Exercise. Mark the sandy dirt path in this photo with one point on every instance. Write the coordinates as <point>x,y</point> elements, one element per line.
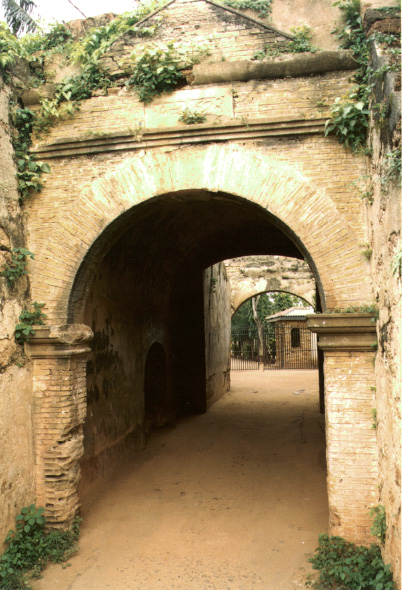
<point>229,500</point>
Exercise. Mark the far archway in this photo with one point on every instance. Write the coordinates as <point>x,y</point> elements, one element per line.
<point>269,332</point>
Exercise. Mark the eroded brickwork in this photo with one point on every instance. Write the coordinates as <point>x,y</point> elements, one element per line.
<point>59,410</point>
<point>352,459</point>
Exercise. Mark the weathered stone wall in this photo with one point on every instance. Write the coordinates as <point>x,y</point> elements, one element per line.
<point>16,439</point>
<point>383,210</point>
<point>217,331</point>
<point>252,275</point>
<point>115,369</point>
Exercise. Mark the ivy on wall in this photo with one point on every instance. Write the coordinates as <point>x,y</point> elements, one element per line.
<point>350,114</point>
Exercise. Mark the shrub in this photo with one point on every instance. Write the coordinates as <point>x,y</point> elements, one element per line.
<point>30,548</point>
<point>346,566</point>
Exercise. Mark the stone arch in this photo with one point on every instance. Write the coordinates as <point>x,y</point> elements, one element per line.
<point>312,219</point>
<point>72,237</point>
<point>257,292</point>
<point>253,275</point>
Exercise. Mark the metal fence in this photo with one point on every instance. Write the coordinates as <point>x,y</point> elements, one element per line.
<point>282,347</point>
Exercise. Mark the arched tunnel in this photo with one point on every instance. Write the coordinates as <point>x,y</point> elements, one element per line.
<point>141,290</point>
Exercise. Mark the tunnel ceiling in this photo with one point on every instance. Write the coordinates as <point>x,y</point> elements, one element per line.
<point>173,236</point>
<point>200,229</point>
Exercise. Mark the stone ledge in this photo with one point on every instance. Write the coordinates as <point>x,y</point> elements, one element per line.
<point>59,341</point>
<point>345,331</point>
<point>179,135</point>
<point>304,64</point>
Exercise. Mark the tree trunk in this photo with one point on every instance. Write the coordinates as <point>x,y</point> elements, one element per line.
<point>260,328</point>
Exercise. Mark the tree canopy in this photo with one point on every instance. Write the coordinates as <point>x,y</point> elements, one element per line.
<point>18,15</point>
<point>267,304</point>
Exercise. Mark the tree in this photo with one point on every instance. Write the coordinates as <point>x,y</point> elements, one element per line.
<point>18,15</point>
<point>250,317</point>
<point>262,306</point>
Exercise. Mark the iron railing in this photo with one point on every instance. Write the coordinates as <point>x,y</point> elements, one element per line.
<point>282,347</point>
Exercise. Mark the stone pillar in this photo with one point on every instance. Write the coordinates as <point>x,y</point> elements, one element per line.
<point>349,343</point>
<point>58,356</point>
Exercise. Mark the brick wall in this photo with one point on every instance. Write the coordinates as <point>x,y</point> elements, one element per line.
<point>195,24</point>
<point>351,442</point>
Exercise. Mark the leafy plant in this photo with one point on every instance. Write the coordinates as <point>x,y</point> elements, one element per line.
<point>53,41</point>
<point>27,319</point>
<point>29,171</point>
<point>192,117</point>
<point>159,68</point>
<point>349,121</point>
<point>262,7</point>
<point>346,566</point>
<point>30,548</point>
<point>379,526</point>
<point>367,252</point>
<point>29,175</point>
<point>16,267</point>
<point>9,48</point>
<point>301,43</point>
<point>349,115</point>
<point>18,15</point>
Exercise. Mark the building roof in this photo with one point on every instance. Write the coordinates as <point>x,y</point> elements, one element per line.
<point>293,313</point>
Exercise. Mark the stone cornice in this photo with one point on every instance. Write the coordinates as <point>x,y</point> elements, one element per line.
<point>345,331</point>
<point>303,64</point>
<point>59,341</point>
<point>202,133</point>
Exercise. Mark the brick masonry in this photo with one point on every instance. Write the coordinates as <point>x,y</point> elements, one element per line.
<point>301,178</point>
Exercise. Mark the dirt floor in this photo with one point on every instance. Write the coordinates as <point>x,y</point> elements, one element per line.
<point>233,499</point>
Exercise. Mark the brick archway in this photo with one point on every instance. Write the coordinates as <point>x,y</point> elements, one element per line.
<point>307,211</point>
<point>71,236</point>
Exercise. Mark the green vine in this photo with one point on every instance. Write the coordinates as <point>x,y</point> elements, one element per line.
<point>301,43</point>
<point>29,170</point>
<point>262,7</point>
<point>16,267</point>
<point>349,114</point>
<point>27,319</point>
